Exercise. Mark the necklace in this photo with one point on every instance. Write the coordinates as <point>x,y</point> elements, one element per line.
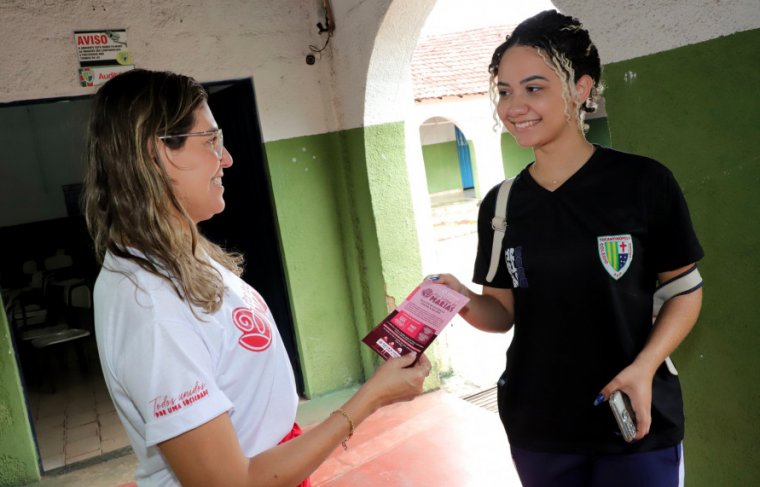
<point>567,169</point>
<point>539,179</point>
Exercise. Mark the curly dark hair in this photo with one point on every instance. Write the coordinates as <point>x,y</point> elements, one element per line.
<point>565,46</point>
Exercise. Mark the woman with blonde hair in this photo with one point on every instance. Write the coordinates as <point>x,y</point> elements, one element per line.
<point>191,355</point>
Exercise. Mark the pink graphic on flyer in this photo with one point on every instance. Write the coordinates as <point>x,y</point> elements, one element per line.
<point>416,322</point>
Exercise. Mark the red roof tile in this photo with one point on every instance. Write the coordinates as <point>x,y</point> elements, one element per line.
<point>455,64</point>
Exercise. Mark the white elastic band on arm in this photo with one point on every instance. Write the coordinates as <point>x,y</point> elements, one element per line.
<point>686,283</point>
<point>499,226</point>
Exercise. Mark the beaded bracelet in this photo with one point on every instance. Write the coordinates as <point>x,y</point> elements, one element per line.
<point>350,426</point>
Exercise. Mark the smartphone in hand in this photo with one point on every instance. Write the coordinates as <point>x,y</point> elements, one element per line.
<point>623,412</point>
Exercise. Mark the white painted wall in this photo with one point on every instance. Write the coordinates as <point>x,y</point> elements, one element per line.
<point>437,131</point>
<point>359,80</point>
<point>388,85</point>
<point>209,40</point>
<point>629,29</point>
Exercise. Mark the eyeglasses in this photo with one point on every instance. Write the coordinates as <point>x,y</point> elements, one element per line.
<point>217,143</point>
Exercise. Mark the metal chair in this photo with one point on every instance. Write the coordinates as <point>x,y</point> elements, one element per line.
<point>71,331</point>
<point>61,275</point>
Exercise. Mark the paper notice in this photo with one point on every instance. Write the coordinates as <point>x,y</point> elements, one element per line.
<point>416,322</point>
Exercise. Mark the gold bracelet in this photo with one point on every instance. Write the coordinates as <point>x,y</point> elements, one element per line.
<point>350,426</point>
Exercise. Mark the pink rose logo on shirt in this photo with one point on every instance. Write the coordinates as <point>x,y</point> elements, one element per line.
<point>257,334</point>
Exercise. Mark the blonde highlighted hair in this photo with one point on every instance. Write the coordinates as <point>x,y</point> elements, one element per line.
<point>128,197</point>
<point>566,47</point>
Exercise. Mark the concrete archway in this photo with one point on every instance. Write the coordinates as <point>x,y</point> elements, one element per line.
<point>396,178</point>
<point>395,167</point>
<point>448,159</point>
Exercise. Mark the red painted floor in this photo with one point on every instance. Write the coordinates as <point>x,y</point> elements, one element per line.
<point>435,440</point>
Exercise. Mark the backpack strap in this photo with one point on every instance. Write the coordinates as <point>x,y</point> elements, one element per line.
<point>499,225</point>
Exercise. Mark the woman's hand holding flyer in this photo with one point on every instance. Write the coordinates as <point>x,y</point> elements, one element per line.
<point>416,322</point>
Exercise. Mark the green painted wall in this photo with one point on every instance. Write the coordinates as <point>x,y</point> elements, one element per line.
<point>442,167</point>
<point>697,110</point>
<point>514,157</point>
<point>598,131</point>
<point>306,177</point>
<point>349,242</point>
<point>18,455</point>
<point>392,210</point>
<point>359,234</point>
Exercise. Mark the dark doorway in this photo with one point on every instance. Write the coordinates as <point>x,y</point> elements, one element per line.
<point>247,224</point>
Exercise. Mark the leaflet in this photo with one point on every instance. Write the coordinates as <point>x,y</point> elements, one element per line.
<point>416,322</point>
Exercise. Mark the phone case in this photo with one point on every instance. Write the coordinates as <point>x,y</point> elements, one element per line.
<point>623,412</point>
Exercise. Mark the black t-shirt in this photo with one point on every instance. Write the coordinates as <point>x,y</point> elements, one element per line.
<point>582,262</point>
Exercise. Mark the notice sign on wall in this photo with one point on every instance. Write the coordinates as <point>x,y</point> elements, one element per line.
<point>102,55</point>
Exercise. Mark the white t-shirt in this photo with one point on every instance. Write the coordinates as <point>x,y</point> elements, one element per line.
<point>169,372</point>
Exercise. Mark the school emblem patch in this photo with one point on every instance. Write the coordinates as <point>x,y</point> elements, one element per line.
<point>616,253</point>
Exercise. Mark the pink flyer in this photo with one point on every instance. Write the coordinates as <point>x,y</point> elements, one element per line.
<point>416,322</point>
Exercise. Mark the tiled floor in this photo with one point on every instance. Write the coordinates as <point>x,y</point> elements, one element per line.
<point>76,421</point>
<point>477,358</point>
<point>437,439</point>
<point>454,214</point>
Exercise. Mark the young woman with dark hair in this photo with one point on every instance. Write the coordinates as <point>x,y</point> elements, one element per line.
<point>590,233</point>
